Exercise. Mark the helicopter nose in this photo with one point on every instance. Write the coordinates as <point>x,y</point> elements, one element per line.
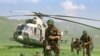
<point>20,37</point>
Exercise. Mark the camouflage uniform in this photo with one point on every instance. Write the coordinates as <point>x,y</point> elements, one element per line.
<point>75,45</point>
<point>51,44</point>
<point>86,39</point>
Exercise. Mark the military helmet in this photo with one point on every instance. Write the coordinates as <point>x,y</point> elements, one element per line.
<point>84,32</point>
<point>50,21</point>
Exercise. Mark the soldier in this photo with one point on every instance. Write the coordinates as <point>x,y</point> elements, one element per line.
<point>75,44</point>
<point>86,40</point>
<point>52,37</point>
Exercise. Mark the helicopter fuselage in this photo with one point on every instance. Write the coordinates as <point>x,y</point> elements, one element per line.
<point>25,34</point>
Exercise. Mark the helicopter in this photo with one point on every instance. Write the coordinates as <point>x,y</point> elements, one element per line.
<point>31,32</point>
<point>26,33</point>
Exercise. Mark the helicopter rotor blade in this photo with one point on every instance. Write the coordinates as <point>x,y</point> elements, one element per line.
<point>71,17</point>
<point>56,17</point>
<point>75,22</point>
<point>18,15</point>
<point>45,15</point>
<point>21,11</point>
<point>35,14</point>
<point>79,18</point>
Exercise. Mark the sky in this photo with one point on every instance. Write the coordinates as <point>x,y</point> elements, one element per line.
<point>80,8</point>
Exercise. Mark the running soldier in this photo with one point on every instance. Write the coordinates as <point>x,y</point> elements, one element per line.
<point>75,45</point>
<point>86,40</point>
<point>52,37</point>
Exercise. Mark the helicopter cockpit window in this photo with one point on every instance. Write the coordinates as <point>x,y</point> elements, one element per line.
<point>20,27</point>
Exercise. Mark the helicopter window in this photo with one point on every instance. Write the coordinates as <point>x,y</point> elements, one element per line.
<point>32,29</point>
<point>19,32</point>
<point>26,27</point>
<point>29,29</point>
<point>21,27</point>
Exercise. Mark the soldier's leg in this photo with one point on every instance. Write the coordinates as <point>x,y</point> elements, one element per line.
<point>88,51</point>
<point>72,48</point>
<point>47,51</point>
<point>84,51</point>
<point>44,48</point>
<point>77,51</point>
<point>56,50</point>
<point>44,51</point>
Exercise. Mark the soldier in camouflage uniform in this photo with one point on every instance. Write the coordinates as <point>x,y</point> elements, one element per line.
<point>86,40</point>
<point>75,45</point>
<point>52,37</point>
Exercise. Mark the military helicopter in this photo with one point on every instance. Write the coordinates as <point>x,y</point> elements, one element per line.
<point>31,32</point>
<point>26,33</point>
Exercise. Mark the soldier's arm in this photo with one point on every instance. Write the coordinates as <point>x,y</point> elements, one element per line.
<point>58,36</point>
<point>55,37</point>
<point>89,40</point>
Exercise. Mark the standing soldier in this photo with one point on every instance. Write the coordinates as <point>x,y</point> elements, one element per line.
<point>52,37</point>
<point>86,40</point>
